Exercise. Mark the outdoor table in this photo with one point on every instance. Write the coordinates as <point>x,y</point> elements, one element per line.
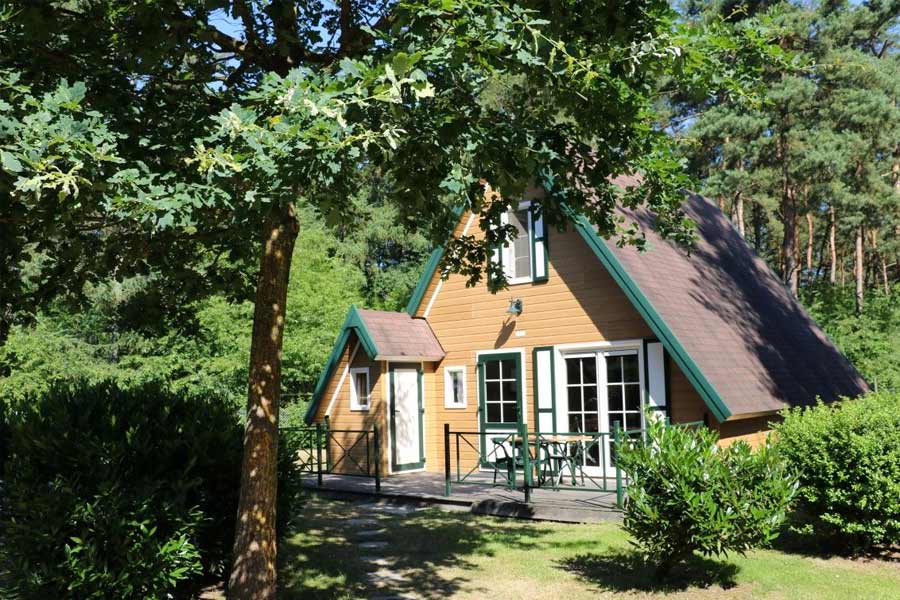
<point>563,442</point>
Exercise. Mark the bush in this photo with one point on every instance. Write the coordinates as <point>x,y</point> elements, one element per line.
<point>847,458</point>
<point>688,495</point>
<point>112,493</point>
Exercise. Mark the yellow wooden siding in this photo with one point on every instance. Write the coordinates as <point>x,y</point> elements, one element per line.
<point>754,431</point>
<point>580,302</point>
<point>343,418</point>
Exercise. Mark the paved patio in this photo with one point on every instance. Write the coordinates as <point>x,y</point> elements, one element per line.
<point>570,506</point>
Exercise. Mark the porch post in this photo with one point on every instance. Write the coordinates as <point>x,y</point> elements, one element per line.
<point>526,460</point>
<point>446,459</point>
<point>319,454</point>
<point>327,444</point>
<point>620,493</point>
<point>377,439</point>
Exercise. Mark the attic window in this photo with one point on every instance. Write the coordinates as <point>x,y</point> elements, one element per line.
<point>524,257</point>
<point>518,251</point>
<point>360,393</point>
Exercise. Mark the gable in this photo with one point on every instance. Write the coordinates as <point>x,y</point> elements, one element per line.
<point>764,354</point>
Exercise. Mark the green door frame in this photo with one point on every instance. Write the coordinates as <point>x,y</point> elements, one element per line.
<point>482,397</point>
<point>395,467</point>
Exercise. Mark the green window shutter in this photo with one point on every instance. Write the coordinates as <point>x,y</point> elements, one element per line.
<point>539,254</point>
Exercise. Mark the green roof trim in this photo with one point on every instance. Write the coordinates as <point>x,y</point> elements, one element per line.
<point>646,309</point>
<point>352,324</point>
<point>430,269</point>
<point>419,292</point>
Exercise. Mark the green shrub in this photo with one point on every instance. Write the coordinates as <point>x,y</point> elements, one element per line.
<point>847,458</point>
<point>686,494</point>
<point>112,493</point>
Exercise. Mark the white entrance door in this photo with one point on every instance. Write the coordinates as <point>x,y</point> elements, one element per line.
<point>407,439</point>
<point>602,389</point>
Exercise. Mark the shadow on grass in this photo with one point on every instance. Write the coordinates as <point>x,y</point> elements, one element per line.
<point>324,559</point>
<point>812,545</point>
<point>625,570</point>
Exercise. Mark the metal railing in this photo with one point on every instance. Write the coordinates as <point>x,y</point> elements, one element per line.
<point>520,459</point>
<point>322,450</point>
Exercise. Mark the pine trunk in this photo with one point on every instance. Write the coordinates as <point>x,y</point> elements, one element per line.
<point>860,269</point>
<point>789,243</point>
<point>253,571</point>
<point>739,213</point>
<point>832,245</point>
<point>810,237</point>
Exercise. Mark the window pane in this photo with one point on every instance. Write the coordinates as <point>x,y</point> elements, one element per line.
<point>633,396</point>
<point>615,396</point>
<point>509,369</point>
<point>632,373</point>
<point>613,368</point>
<point>633,420</point>
<point>457,382</point>
<point>510,391</point>
<point>589,369</point>
<point>492,369</point>
<point>573,371</point>
<point>575,399</point>
<point>519,220</point>
<point>591,422</point>
<point>520,249</point>
<point>361,391</point>
<point>523,259</point>
<point>493,412</point>
<point>614,418</point>
<point>575,423</point>
<point>510,412</point>
<point>492,391</point>
<point>590,399</point>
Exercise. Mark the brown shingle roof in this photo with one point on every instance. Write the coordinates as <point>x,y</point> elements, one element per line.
<point>396,335</point>
<point>752,340</point>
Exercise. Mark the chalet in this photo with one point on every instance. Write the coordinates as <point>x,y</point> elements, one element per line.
<point>587,336</point>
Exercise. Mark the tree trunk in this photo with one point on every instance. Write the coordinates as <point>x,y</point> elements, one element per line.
<point>860,269</point>
<point>757,227</point>
<point>739,213</point>
<point>789,243</point>
<point>253,570</point>
<point>832,245</point>
<point>809,241</point>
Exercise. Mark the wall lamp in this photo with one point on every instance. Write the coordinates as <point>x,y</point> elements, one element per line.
<point>515,307</point>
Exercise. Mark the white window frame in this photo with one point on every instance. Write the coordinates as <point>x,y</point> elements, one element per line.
<point>448,387</point>
<point>508,258</point>
<point>355,403</point>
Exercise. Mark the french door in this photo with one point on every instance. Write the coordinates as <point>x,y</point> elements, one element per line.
<point>602,389</point>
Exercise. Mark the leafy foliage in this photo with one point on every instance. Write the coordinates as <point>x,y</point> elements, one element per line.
<point>114,492</point>
<point>847,458</point>
<point>123,332</point>
<point>686,494</point>
<point>870,339</point>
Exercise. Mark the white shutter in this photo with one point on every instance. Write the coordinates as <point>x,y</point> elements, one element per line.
<point>544,396</point>
<point>656,377</point>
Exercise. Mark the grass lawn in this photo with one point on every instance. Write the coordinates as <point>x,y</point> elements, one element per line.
<point>459,555</point>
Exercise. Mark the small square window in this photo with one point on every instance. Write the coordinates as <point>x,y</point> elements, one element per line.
<point>360,392</point>
<point>455,387</point>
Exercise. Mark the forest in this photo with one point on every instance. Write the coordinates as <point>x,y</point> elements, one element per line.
<point>809,173</point>
<point>143,151</point>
